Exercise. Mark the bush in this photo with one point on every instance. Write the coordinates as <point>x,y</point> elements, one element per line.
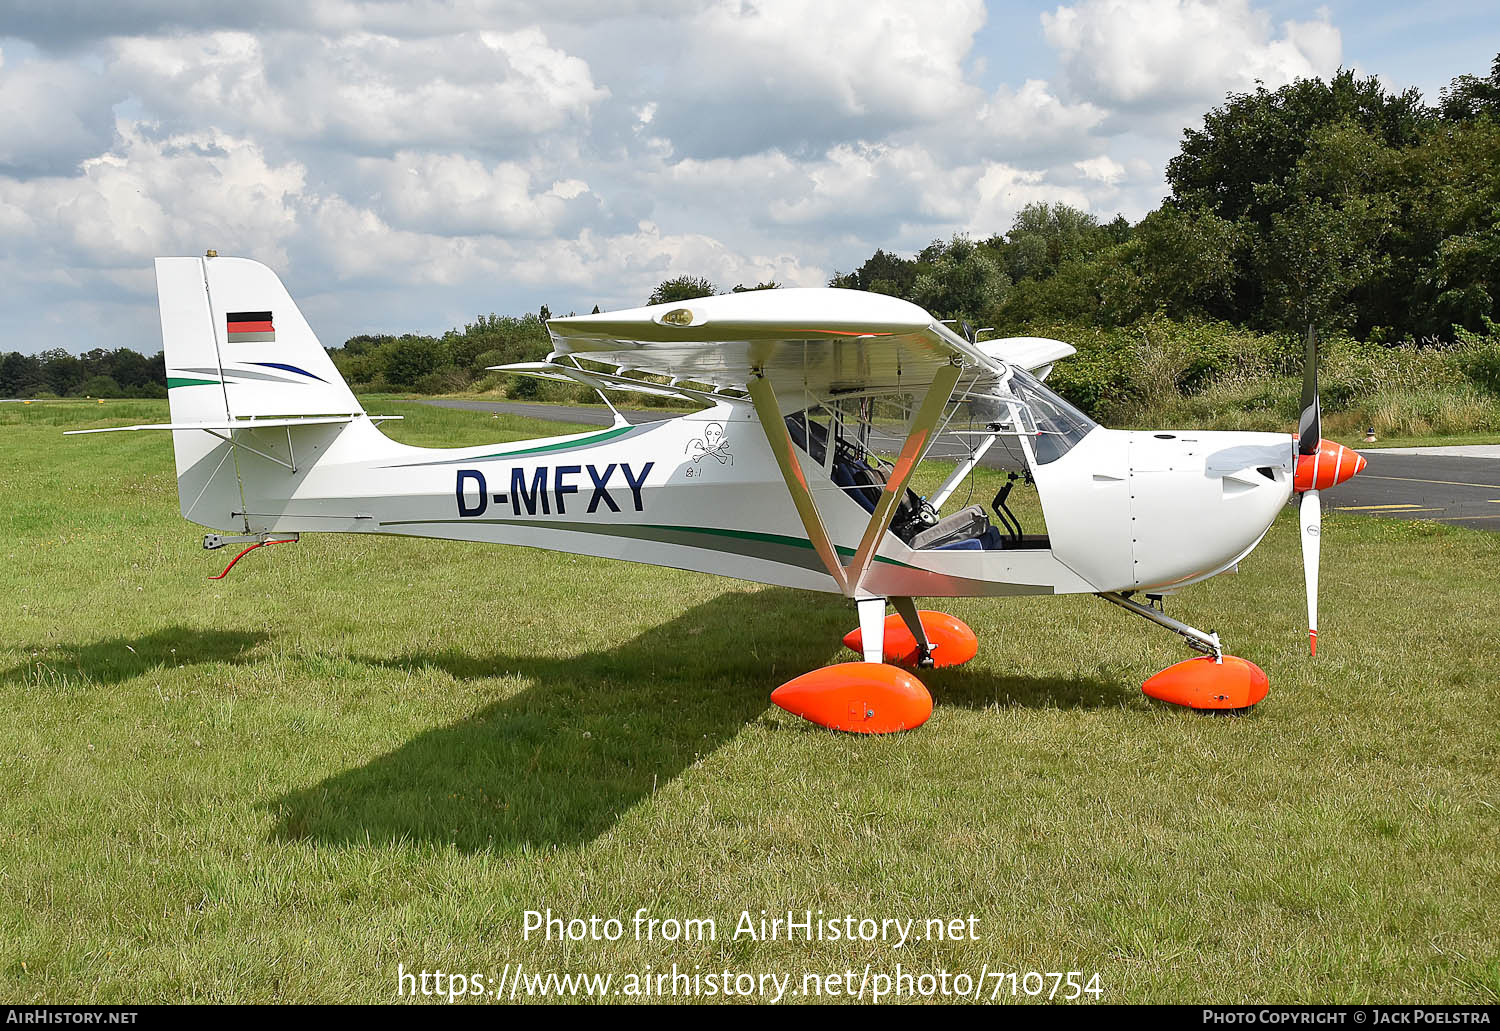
<point>100,386</point>
<point>409,358</point>
<point>448,380</point>
<point>1478,356</point>
<point>523,388</point>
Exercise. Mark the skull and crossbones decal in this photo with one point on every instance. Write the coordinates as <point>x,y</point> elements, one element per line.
<point>713,444</point>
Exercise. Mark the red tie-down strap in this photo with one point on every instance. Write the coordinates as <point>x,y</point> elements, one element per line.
<point>242,554</point>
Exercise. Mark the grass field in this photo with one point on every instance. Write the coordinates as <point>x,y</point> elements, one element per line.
<point>364,751</point>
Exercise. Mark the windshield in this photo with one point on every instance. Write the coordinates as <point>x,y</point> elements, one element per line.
<point>1059,425</point>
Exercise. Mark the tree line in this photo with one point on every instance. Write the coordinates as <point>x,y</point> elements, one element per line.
<point>98,373</point>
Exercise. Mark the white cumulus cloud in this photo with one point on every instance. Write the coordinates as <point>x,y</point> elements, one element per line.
<point>457,195</point>
<point>782,73</point>
<point>1170,53</point>
<point>365,91</point>
<point>178,194</point>
<point>53,115</point>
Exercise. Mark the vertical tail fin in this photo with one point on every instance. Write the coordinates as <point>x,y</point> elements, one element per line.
<point>237,349</point>
<point>229,323</point>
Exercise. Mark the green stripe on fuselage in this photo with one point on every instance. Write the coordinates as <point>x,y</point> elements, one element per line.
<point>176,382</point>
<point>772,547</point>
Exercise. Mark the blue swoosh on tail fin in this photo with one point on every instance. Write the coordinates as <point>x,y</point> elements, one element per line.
<point>289,368</point>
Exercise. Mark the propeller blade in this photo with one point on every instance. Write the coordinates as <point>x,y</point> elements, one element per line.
<point>1310,424</point>
<point>1312,530</point>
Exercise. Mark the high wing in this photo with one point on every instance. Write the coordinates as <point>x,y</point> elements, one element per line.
<point>815,341</point>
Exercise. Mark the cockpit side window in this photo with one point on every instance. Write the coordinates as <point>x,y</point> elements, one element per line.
<point>810,434</point>
<point>1059,425</point>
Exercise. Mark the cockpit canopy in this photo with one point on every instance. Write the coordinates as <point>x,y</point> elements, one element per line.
<point>1059,426</point>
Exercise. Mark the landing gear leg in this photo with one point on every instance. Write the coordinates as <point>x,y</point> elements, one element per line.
<point>1196,639</point>
<point>912,637</point>
<point>872,628</point>
<point>907,609</point>
<point>866,697</point>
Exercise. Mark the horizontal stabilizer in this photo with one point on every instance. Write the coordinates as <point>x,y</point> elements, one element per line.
<point>239,424</point>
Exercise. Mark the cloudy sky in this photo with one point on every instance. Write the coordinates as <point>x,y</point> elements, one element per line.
<point>408,165</point>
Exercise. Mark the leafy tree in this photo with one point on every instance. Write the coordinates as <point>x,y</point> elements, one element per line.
<point>1076,292</point>
<point>1469,97</point>
<point>1256,139</point>
<point>20,375</point>
<point>742,289</point>
<point>882,273</point>
<point>100,386</point>
<point>64,373</point>
<point>959,279</point>
<point>410,357</point>
<point>1117,230</point>
<point>1314,257</point>
<point>681,288</point>
<point>1173,263</point>
<point>1044,236</point>
<point>1446,266</point>
<point>1331,218</point>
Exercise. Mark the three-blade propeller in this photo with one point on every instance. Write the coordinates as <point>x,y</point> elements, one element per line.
<point>1320,464</point>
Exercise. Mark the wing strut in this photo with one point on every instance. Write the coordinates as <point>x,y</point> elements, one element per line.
<point>918,438</point>
<point>774,425</point>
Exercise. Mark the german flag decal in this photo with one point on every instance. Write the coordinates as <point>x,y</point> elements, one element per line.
<point>250,327</point>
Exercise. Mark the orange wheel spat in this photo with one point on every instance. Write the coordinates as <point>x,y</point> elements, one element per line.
<point>1202,683</point>
<point>858,697</point>
<point>953,642</point>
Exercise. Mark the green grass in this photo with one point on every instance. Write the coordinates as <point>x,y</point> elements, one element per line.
<point>360,751</point>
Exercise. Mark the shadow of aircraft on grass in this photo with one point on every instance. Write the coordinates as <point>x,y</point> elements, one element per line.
<point>117,659</point>
<point>593,734</point>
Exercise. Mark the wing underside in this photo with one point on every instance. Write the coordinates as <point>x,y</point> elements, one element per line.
<point>805,342</point>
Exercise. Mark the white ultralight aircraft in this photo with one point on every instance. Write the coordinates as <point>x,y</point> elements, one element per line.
<point>776,480</point>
